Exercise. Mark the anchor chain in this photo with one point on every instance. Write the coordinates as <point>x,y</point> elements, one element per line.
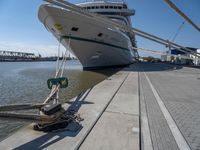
<point>62,123</point>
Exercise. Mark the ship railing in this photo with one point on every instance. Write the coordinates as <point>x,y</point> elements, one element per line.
<point>107,1</point>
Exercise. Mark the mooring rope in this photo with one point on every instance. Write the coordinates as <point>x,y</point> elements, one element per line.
<point>65,60</point>
<point>59,70</point>
<point>58,58</point>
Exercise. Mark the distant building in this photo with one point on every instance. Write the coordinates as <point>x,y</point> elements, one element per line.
<point>196,59</point>
<point>166,58</point>
<point>178,52</point>
<point>185,58</point>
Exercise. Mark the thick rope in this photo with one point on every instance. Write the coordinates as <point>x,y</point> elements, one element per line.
<point>58,57</point>
<point>59,70</point>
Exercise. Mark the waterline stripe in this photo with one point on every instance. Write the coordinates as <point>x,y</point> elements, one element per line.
<point>180,140</point>
<point>93,41</point>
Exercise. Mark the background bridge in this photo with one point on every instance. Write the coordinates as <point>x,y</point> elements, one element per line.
<point>12,55</point>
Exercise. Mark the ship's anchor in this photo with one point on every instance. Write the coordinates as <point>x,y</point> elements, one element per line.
<point>52,115</point>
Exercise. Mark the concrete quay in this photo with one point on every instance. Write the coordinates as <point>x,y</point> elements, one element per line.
<point>144,106</point>
<point>170,100</point>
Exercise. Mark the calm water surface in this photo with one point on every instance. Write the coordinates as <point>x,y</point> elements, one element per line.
<point>25,82</point>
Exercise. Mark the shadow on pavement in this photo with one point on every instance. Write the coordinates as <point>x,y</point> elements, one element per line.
<point>50,138</point>
<point>152,67</point>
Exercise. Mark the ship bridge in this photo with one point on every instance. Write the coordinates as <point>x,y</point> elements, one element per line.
<point>108,7</point>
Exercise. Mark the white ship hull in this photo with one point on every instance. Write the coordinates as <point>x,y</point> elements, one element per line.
<point>94,44</point>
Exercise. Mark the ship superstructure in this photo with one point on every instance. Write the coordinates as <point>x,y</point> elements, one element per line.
<point>94,44</point>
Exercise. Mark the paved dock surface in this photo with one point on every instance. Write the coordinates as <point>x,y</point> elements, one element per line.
<point>179,89</point>
<point>106,118</point>
<point>144,106</point>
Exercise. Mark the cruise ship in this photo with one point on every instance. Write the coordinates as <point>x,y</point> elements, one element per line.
<point>94,43</point>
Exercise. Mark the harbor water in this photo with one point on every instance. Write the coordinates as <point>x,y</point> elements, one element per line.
<point>25,82</point>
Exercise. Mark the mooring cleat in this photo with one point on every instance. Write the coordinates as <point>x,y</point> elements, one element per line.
<point>51,109</point>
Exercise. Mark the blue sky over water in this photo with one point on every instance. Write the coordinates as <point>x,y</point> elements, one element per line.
<point>21,30</point>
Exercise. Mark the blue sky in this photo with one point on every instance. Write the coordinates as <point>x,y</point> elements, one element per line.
<point>21,30</point>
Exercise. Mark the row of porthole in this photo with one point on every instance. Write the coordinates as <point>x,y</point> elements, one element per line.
<point>76,29</point>
<point>105,7</point>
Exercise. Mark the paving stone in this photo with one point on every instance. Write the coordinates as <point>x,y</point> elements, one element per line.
<point>179,90</point>
<point>161,135</point>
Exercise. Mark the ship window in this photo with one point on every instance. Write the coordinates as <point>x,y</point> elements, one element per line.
<point>88,7</point>
<point>100,34</point>
<point>119,21</point>
<point>74,29</point>
<point>92,7</point>
<point>102,7</point>
<point>111,7</point>
<point>97,7</point>
<point>106,7</point>
<point>124,6</point>
<point>115,7</point>
<point>119,7</point>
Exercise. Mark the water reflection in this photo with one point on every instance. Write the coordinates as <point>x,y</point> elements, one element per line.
<point>25,82</point>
